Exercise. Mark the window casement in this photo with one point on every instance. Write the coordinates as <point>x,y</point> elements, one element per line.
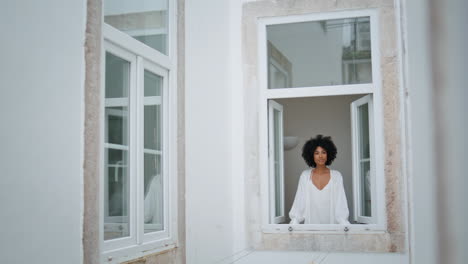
<point>275,152</point>
<point>365,209</point>
<point>139,165</point>
<point>325,57</point>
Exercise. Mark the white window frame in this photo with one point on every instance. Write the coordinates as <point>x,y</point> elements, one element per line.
<point>266,94</point>
<point>356,160</point>
<point>153,68</point>
<point>142,58</point>
<point>272,106</point>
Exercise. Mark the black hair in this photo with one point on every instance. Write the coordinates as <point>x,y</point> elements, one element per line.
<point>319,141</point>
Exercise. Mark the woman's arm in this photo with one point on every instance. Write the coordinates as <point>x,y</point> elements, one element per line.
<point>297,210</point>
<point>341,207</point>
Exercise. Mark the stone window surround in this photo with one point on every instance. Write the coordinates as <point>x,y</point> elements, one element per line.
<point>391,240</point>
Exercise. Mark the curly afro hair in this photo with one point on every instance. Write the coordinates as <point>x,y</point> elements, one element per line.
<point>319,141</point>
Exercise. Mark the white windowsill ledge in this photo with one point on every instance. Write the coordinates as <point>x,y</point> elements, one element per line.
<point>324,229</point>
<point>137,251</point>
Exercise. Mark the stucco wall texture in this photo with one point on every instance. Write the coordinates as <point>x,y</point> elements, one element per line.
<point>92,136</point>
<point>391,240</point>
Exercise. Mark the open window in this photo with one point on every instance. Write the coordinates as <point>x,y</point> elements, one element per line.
<point>276,154</point>
<point>363,160</point>
<point>317,66</point>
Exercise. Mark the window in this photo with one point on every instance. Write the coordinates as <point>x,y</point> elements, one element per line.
<point>363,160</point>
<point>321,76</point>
<point>146,21</point>
<point>275,115</point>
<point>139,162</point>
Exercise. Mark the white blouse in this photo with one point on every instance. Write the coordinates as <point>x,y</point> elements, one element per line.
<point>314,206</point>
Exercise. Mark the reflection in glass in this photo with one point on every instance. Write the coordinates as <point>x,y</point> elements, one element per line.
<point>363,112</point>
<point>153,84</point>
<point>320,53</point>
<point>117,76</point>
<point>277,146</point>
<point>278,78</point>
<point>144,20</point>
<point>116,202</point>
<point>153,180</point>
<point>365,189</point>
<point>116,125</point>
<point>365,161</point>
<point>152,131</point>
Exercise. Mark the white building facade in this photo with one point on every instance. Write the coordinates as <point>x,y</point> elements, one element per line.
<point>145,131</point>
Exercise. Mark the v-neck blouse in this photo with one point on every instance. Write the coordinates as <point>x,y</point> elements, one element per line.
<point>314,206</point>
<point>320,203</point>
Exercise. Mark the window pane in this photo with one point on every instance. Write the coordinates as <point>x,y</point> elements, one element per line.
<point>363,115</point>
<point>154,199</point>
<point>144,20</point>
<point>278,78</point>
<point>152,127</point>
<point>318,53</point>
<point>117,76</point>
<point>277,123</point>
<point>117,183</point>
<point>366,208</point>
<point>365,161</point>
<point>153,84</point>
<point>116,125</point>
<point>116,220</point>
<point>153,183</point>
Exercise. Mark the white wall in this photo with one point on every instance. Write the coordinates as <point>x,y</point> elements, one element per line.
<point>436,65</point>
<point>308,117</point>
<point>41,109</point>
<point>423,244</point>
<point>212,83</point>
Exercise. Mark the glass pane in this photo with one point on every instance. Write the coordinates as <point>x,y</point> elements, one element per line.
<point>153,84</point>
<point>363,116</point>
<point>117,76</point>
<point>366,203</point>
<point>278,146</point>
<point>318,53</point>
<point>154,194</point>
<point>277,78</point>
<point>358,72</point>
<point>144,20</point>
<point>116,125</point>
<point>152,127</point>
<point>116,199</point>
<point>116,220</point>
<point>153,183</point>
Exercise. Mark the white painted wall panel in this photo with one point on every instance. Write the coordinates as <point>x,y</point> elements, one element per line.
<point>209,195</point>
<point>41,135</point>
<point>422,181</point>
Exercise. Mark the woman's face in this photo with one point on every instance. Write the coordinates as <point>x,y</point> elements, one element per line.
<point>320,156</point>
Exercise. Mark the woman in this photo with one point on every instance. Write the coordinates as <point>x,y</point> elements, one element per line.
<point>320,196</point>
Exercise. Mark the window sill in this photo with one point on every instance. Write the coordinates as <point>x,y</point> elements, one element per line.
<point>137,251</point>
<point>324,229</point>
